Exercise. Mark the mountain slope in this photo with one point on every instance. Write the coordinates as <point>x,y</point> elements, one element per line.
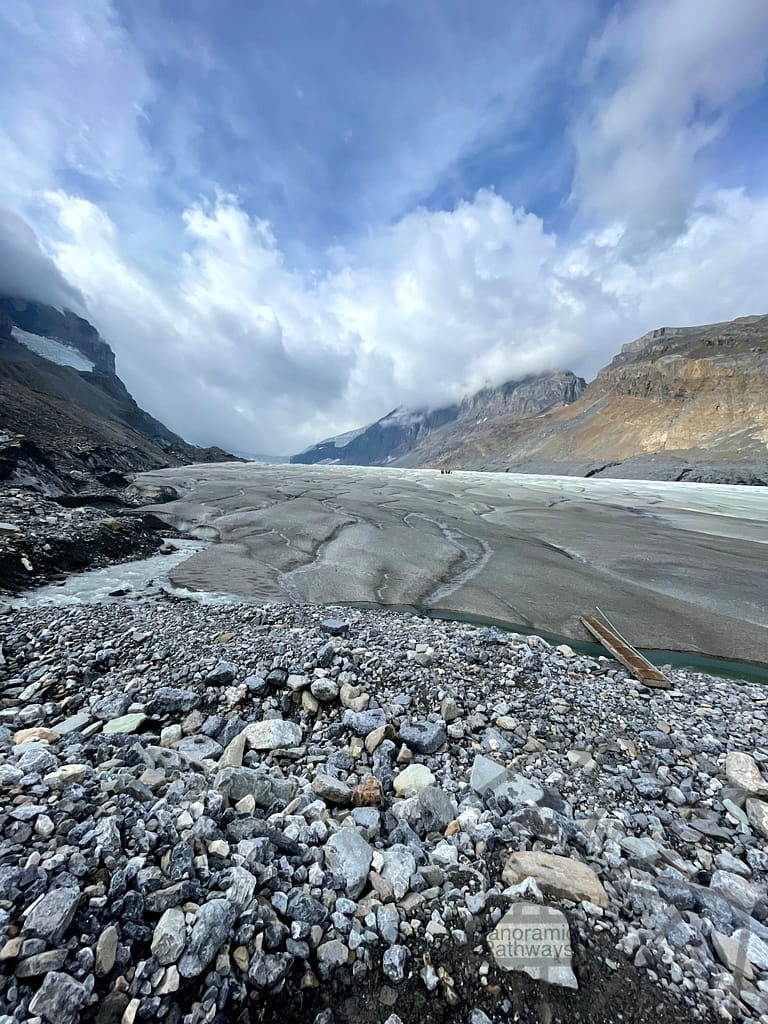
<point>677,403</point>
<point>412,436</point>
<point>66,419</point>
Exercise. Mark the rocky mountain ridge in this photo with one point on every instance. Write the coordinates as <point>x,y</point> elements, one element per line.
<point>678,403</point>
<point>67,422</point>
<point>397,435</point>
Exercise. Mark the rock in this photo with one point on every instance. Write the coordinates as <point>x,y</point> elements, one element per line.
<point>362,723</point>
<point>41,963</point>
<point>450,710</point>
<point>641,850</point>
<point>303,907</point>
<point>59,998</point>
<point>75,723</point>
<point>649,786</point>
<point>388,923</point>
<point>393,963</point>
<point>536,940</point>
<point>199,748</point>
<point>734,889</point>
<point>332,790</point>
<point>271,734</point>
<point>223,674</point>
<point>235,784</point>
<point>106,952</point>
<point>51,915</point>
<point>423,737</point>
<point>369,793</point>
<point>562,877</point>
<point>211,928</point>
<point>126,724</point>
<point>242,886</point>
<point>436,808</point>
<point>38,760</point>
<point>334,627</point>
<point>35,734</point>
<point>398,867</point>
<point>325,690</point>
<point>415,776</point>
<point>488,776</point>
<point>332,954</point>
<point>732,954</point>
<point>741,771</point>
<point>169,937</point>
<point>755,947</point>
<point>757,812</point>
<point>267,970</point>
<point>347,854</point>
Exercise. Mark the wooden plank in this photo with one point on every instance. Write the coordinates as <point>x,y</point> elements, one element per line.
<point>625,653</point>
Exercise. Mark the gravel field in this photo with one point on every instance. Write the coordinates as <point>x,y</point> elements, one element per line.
<point>260,813</point>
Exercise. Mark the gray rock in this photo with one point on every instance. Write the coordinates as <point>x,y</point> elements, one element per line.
<point>536,940</point>
<point>757,812</point>
<point>242,886</point>
<point>236,783</point>
<point>271,734</point>
<point>126,724</point>
<point>347,854</point>
<point>106,952</point>
<point>267,970</point>
<point>334,627</point>
<point>488,776</point>
<point>393,963</point>
<point>224,673</point>
<point>332,954</point>
<point>436,808</point>
<point>213,923</point>
<point>388,923</point>
<point>75,723</point>
<point>755,947</point>
<point>169,700</point>
<point>199,748</point>
<point>50,917</point>
<point>114,705</point>
<point>169,937</point>
<point>59,998</point>
<point>732,954</point>
<point>399,865</point>
<point>423,737</point>
<point>41,963</point>
<point>303,907</point>
<point>649,786</point>
<point>332,790</point>
<point>326,690</point>
<point>364,722</point>
<point>734,889</point>
<point>37,760</point>
<point>641,850</point>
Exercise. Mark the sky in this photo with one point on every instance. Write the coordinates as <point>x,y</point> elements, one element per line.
<point>289,219</point>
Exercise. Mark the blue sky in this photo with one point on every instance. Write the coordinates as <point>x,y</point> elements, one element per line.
<point>289,218</point>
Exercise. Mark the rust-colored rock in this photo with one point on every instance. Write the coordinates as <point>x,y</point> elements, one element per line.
<point>369,793</point>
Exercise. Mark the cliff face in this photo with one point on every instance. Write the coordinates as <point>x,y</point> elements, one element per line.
<point>416,437</point>
<point>677,403</point>
<point>67,422</point>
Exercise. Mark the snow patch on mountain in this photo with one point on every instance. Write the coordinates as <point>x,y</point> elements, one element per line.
<point>53,350</point>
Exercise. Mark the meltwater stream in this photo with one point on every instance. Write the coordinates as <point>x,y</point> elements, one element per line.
<point>146,576</point>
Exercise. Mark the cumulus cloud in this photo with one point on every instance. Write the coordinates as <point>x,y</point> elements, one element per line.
<point>234,347</point>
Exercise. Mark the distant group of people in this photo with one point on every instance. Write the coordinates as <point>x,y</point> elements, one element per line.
<point>444,472</point>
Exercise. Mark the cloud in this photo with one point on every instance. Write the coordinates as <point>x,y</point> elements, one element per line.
<point>25,270</point>
<point>662,80</point>
<point>232,346</point>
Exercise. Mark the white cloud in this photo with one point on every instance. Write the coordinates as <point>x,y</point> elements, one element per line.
<point>233,347</point>
<point>663,78</point>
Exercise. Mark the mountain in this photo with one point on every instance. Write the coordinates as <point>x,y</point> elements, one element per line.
<point>67,421</point>
<point>409,436</point>
<point>679,403</point>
